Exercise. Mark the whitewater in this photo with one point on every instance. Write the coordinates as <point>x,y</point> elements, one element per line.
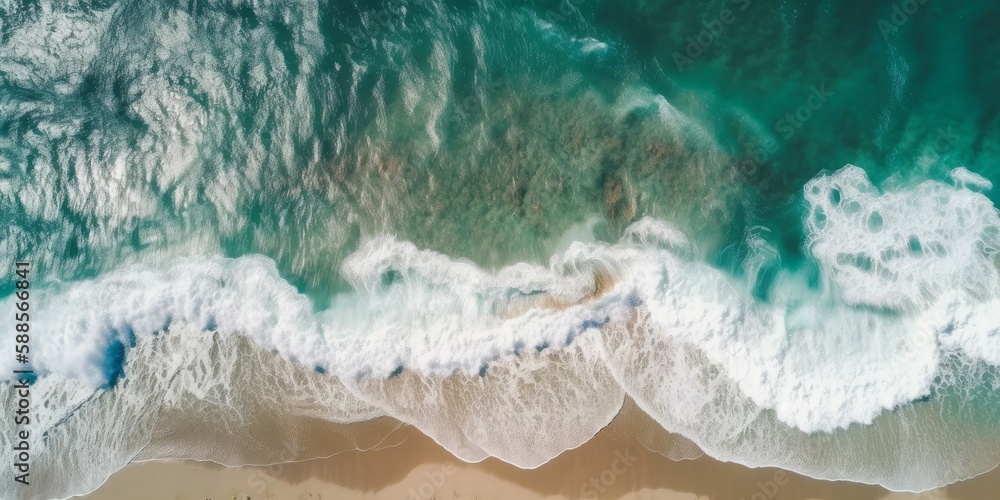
<point>890,345</point>
<point>502,223</point>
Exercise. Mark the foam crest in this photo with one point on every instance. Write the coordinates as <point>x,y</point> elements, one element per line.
<point>970,325</point>
<point>903,248</point>
<point>444,316</point>
<point>85,322</point>
<point>963,178</point>
<point>414,308</point>
<point>526,361</point>
<point>651,232</point>
<point>912,448</point>
<point>818,365</point>
<point>784,382</point>
<point>509,411</point>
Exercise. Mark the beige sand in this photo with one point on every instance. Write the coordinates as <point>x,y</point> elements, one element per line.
<point>418,468</point>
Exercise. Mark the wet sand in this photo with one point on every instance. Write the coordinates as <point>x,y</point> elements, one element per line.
<point>414,467</point>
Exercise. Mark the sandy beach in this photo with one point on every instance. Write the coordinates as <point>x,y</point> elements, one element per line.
<point>413,467</point>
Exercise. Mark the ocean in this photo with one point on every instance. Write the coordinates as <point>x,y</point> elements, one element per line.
<point>771,225</point>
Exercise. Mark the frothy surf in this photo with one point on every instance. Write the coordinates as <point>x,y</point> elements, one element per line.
<point>890,344</point>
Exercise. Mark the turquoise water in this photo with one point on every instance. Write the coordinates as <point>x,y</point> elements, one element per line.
<point>327,140</point>
<point>316,174</point>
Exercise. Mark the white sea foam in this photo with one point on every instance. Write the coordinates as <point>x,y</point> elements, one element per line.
<point>902,249</point>
<point>482,360</point>
<point>221,386</point>
<point>966,179</point>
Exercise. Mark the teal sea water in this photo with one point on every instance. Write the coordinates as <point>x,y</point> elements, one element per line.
<point>773,225</point>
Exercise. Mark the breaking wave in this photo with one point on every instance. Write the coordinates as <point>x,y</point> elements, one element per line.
<point>885,343</point>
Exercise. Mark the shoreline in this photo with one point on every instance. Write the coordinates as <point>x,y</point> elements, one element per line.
<point>414,467</point>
